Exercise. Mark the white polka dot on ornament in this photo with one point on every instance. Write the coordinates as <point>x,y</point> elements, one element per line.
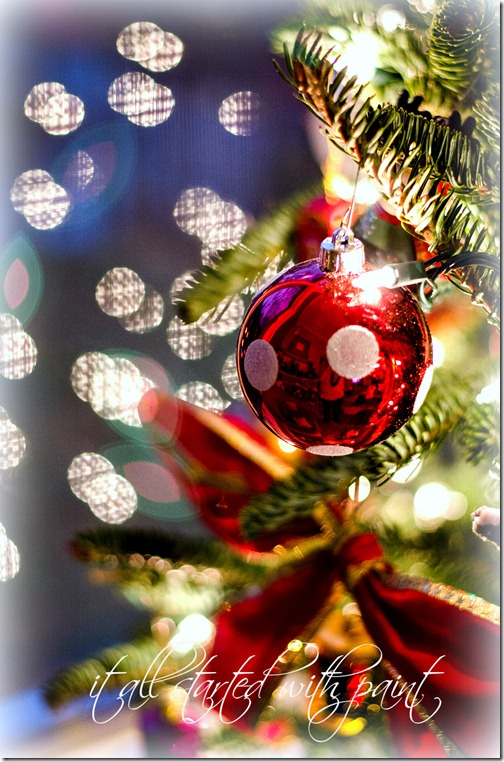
<point>261,365</point>
<point>330,450</point>
<point>353,351</point>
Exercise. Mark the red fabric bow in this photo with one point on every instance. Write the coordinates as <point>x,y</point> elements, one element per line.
<point>227,460</point>
<point>451,653</point>
<point>414,629</point>
<point>252,634</point>
<point>447,657</point>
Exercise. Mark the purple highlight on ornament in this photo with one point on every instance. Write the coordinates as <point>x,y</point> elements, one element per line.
<point>353,351</point>
<point>261,365</point>
<point>330,450</point>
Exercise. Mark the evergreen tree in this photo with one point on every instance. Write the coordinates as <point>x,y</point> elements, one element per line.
<point>424,130</point>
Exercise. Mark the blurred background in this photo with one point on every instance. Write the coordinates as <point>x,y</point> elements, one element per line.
<point>121,182</point>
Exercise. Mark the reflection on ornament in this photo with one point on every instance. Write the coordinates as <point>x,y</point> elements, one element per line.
<point>327,366</point>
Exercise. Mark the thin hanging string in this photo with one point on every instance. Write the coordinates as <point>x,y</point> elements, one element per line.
<point>348,217</point>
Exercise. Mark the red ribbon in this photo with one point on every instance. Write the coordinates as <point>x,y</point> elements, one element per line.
<point>414,629</point>
<point>256,631</point>
<point>203,440</point>
<point>418,634</point>
<point>447,657</point>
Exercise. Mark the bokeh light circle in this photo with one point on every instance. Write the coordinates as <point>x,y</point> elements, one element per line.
<point>203,395</point>
<point>132,93</point>
<point>62,114</point>
<point>226,321</point>
<point>112,498</point>
<point>188,341</point>
<point>239,113</point>
<point>37,98</point>
<point>149,314</point>
<point>83,469</point>
<point>9,557</point>
<point>83,370</point>
<point>168,55</point>
<point>120,292</point>
<point>229,378</point>
<point>140,40</point>
<point>157,111</point>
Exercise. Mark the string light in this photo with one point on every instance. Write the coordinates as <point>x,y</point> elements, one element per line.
<point>194,629</point>
<point>489,393</point>
<point>359,489</point>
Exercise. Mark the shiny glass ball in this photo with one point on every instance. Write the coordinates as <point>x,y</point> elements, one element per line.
<point>331,367</point>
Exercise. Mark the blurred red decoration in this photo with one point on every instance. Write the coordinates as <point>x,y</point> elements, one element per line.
<point>316,220</point>
<point>225,462</point>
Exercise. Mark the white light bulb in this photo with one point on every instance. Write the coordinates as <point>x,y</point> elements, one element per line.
<point>385,277</point>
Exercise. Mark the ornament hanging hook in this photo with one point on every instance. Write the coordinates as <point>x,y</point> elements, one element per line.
<point>341,251</point>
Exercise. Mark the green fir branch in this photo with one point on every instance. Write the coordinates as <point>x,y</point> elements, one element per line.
<point>139,564</point>
<point>441,554</point>
<point>330,478</point>
<point>139,659</point>
<point>478,433</point>
<point>239,268</point>
<point>487,113</point>
<point>460,39</point>
<point>437,178</point>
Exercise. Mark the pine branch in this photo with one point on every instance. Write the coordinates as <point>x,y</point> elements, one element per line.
<point>402,61</point>
<point>436,177</point>
<point>139,563</point>
<point>238,268</point>
<point>403,65</point>
<point>459,40</point>
<point>138,660</point>
<point>488,119</point>
<point>295,497</point>
<point>479,433</point>
<point>442,559</point>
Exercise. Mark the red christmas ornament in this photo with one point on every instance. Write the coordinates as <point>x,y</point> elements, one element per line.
<point>331,366</point>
